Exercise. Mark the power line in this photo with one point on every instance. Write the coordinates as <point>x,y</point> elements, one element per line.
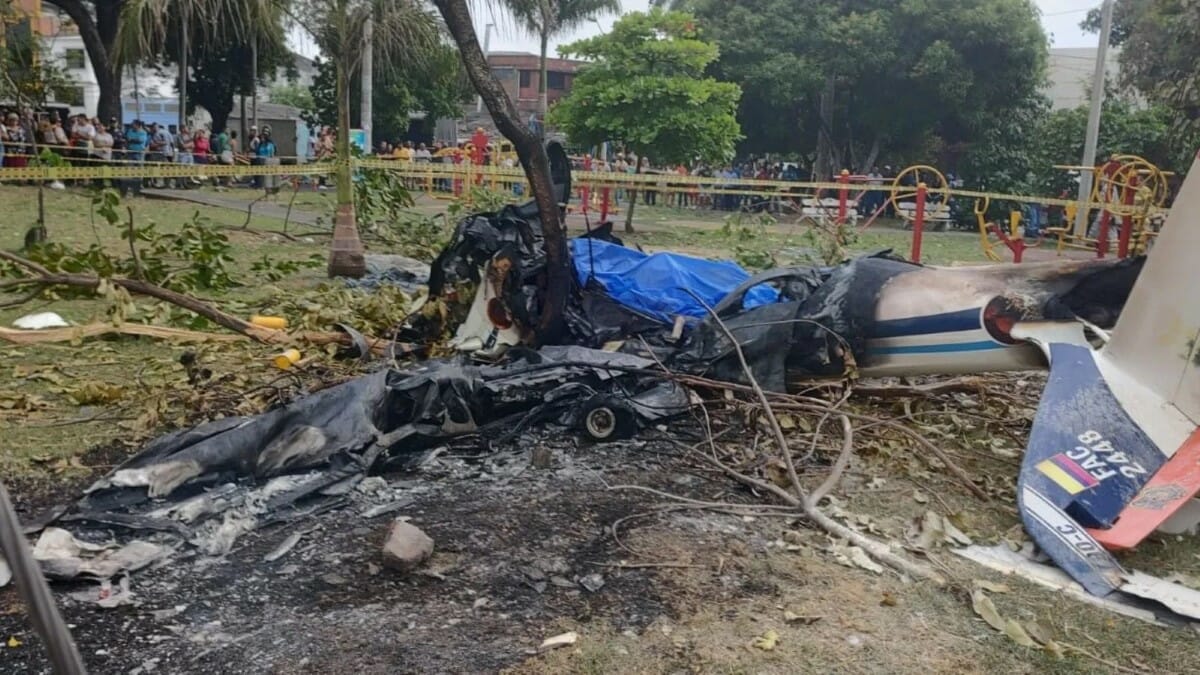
<point>1069,11</point>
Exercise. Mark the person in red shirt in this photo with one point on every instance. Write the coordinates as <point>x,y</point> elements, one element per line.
<point>201,147</point>
<point>479,141</point>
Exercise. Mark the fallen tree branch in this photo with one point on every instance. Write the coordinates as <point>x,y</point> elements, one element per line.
<point>44,278</point>
<point>137,259</point>
<point>925,443</point>
<point>839,467</point>
<point>877,550</point>
<point>377,346</point>
<point>972,385</point>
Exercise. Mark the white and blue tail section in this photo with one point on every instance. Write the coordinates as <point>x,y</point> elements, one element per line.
<point>1114,452</point>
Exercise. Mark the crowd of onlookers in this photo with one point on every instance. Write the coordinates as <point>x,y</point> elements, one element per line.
<point>81,140</point>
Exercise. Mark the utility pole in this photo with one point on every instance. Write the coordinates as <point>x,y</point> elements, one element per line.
<point>487,48</point>
<point>253,86</point>
<point>1093,126</point>
<point>183,67</point>
<point>367,72</point>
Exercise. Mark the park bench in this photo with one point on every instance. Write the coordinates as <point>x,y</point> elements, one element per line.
<point>825,211</point>
<point>937,216</point>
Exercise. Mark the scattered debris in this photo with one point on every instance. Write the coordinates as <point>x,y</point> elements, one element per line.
<point>106,595</point>
<point>592,582</point>
<point>62,556</point>
<point>563,640</point>
<point>283,547</point>
<point>40,321</point>
<point>934,530</point>
<point>853,556</point>
<point>767,641</point>
<point>406,547</point>
<point>806,620</point>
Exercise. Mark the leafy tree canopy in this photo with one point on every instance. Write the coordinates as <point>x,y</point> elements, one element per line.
<point>1160,53</point>
<point>28,76</point>
<point>906,77</point>
<point>646,87</point>
<point>436,85</point>
<point>1124,129</point>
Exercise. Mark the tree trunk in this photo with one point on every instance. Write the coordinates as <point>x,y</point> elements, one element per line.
<point>346,250</point>
<point>533,159</point>
<point>633,195</point>
<point>99,35</point>
<point>543,103</point>
<point>871,156</point>
<point>823,166</point>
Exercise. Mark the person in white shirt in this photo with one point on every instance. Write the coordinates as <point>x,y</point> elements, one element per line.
<point>102,143</point>
<point>82,133</point>
<point>185,145</point>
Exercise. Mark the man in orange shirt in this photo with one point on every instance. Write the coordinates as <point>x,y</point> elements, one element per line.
<point>479,141</point>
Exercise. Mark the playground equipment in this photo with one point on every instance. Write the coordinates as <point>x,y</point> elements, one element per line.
<point>906,189</point>
<point>1012,238</point>
<point>1127,187</point>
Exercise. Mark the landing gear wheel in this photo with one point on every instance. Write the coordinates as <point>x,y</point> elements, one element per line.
<point>607,419</point>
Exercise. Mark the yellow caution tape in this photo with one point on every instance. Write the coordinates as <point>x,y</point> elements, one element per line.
<point>425,174</point>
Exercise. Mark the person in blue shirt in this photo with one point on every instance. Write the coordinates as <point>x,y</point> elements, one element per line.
<point>264,150</point>
<point>135,142</point>
<point>266,146</point>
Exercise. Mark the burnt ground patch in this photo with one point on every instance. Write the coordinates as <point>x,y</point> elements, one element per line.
<point>513,542</point>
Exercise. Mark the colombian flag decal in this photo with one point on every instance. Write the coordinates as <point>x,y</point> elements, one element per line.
<point>1069,475</point>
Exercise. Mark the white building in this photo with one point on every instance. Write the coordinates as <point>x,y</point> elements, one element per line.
<point>64,45</point>
<point>1070,71</point>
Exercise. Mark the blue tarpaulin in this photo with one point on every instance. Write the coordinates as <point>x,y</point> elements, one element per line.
<point>654,284</point>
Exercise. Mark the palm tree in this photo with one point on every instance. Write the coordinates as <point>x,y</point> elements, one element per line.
<point>402,30</point>
<point>549,18</point>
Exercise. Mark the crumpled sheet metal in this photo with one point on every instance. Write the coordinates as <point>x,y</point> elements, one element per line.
<point>62,556</point>
<point>211,484</point>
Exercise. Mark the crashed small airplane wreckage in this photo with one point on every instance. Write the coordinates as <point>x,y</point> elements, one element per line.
<point>1112,455</point>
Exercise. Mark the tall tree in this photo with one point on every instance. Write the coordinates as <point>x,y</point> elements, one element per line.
<point>28,76</point>
<point>217,35</point>
<point>98,22</point>
<point>1160,53</point>
<point>549,18</point>
<point>402,30</point>
<point>842,81</point>
<point>534,160</point>
<point>645,88</point>
<point>436,85</point>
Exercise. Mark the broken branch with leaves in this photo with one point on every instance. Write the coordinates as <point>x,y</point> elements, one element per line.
<point>41,278</point>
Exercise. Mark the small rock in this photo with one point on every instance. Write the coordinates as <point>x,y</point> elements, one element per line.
<point>334,580</point>
<point>372,569</point>
<point>592,582</point>
<point>406,547</point>
<point>562,582</point>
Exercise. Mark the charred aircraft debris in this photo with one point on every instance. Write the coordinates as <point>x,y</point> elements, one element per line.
<point>632,319</point>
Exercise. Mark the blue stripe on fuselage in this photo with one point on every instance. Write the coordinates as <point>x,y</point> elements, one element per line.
<point>936,349</point>
<point>950,322</point>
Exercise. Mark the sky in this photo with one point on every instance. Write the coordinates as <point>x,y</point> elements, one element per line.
<point>1059,17</point>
